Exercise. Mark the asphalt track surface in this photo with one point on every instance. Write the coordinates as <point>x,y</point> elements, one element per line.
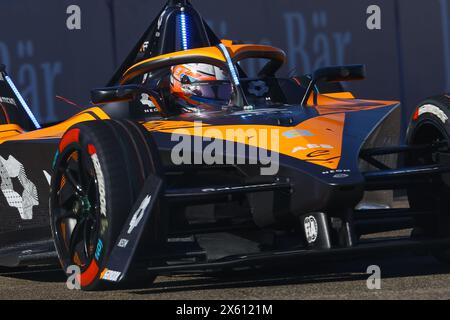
<point>402,278</point>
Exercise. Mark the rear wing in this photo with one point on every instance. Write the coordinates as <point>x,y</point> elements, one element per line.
<point>13,104</point>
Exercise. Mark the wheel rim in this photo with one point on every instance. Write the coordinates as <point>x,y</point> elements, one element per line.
<point>75,208</point>
<point>431,196</point>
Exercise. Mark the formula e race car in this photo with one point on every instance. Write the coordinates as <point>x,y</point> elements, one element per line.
<point>187,161</point>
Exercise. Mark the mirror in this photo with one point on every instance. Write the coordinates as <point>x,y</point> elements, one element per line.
<point>334,74</point>
<point>340,73</point>
<point>115,94</point>
<point>135,101</point>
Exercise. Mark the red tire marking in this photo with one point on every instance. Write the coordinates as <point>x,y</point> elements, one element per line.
<point>416,115</point>
<point>91,149</point>
<point>88,276</point>
<point>70,137</point>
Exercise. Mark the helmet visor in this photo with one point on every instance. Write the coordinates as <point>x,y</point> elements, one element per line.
<point>211,90</point>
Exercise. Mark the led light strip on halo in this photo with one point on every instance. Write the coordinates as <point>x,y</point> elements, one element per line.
<point>22,102</point>
<point>184,30</point>
<point>230,64</point>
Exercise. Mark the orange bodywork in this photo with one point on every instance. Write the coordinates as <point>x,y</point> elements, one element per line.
<point>317,140</point>
<point>11,132</point>
<point>345,102</point>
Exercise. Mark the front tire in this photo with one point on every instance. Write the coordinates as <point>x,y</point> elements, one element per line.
<point>430,124</point>
<point>99,171</point>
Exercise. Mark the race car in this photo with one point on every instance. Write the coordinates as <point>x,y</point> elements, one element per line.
<point>186,161</point>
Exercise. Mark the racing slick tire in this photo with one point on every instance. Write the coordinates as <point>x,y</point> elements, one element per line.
<point>431,124</point>
<point>99,170</point>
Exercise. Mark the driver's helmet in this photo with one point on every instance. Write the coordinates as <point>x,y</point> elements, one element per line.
<point>194,84</point>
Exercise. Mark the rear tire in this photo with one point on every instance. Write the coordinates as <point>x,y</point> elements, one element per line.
<point>430,124</point>
<point>99,171</point>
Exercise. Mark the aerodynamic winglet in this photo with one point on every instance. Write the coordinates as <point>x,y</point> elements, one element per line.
<point>124,251</point>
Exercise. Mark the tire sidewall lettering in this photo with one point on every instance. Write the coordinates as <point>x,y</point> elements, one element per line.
<point>103,228</point>
<point>101,183</point>
<point>429,112</point>
<point>434,110</point>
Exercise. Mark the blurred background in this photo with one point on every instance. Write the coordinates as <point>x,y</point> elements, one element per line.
<point>408,59</point>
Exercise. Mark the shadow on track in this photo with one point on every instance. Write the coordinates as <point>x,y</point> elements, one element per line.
<point>265,277</point>
<point>49,274</point>
<point>301,274</point>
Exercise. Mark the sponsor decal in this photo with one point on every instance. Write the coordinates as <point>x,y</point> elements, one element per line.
<point>311,229</point>
<point>12,169</point>
<point>147,101</point>
<point>101,183</point>
<point>258,88</point>
<point>110,275</point>
<point>318,153</point>
<point>144,47</point>
<point>8,100</point>
<point>139,214</point>
<point>123,243</point>
<point>429,108</point>
<point>340,176</point>
<point>297,133</point>
<point>98,250</point>
<point>312,146</point>
<point>338,171</point>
